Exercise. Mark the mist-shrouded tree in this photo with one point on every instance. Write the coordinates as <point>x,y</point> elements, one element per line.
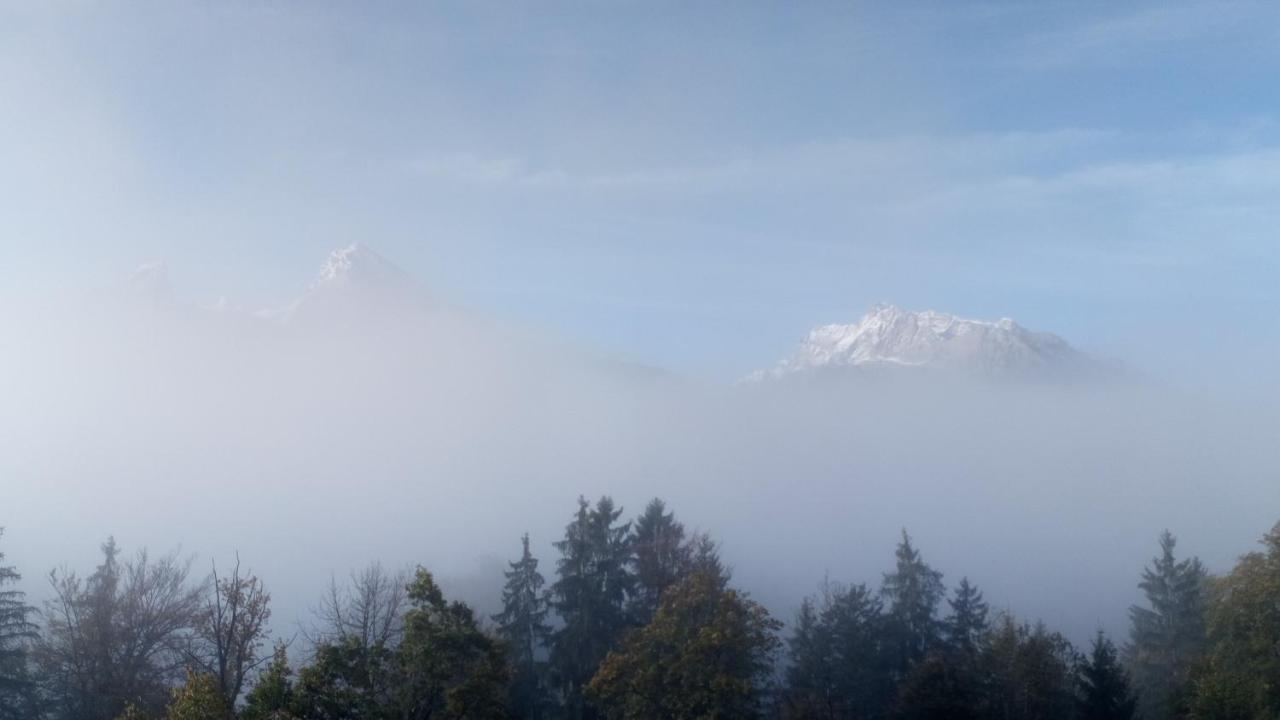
<point>1028,673</point>
<point>837,666</point>
<point>231,629</point>
<point>702,555</point>
<point>1239,675</point>
<point>368,609</point>
<point>590,595</point>
<point>946,683</point>
<point>345,681</point>
<point>707,653</point>
<point>938,688</point>
<point>913,591</point>
<point>271,697</point>
<point>17,632</point>
<point>118,637</point>
<point>522,625</point>
<point>660,558</point>
<point>1167,638</point>
<point>966,625</point>
<point>1104,684</point>
<point>446,667</point>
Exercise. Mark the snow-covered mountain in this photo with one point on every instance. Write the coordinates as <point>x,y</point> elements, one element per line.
<point>890,339</point>
<point>352,276</point>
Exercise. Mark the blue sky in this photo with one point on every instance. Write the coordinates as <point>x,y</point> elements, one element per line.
<point>687,185</point>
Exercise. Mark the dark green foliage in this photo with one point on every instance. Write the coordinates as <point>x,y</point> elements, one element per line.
<point>590,595</point>
<point>1104,685</point>
<point>271,697</point>
<point>707,654</point>
<point>17,687</point>
<point>938,688</point>
<point>345,681</point>
<point>837,653</point>
<point>1028,673</point>
<point>913,591</point>
<point>522,624</point>
<point>964,628</point>
<point>1168,637</point>
<point>446,667</point>
<point>660,558</point>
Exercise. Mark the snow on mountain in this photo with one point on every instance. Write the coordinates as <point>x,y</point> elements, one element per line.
<point>359,266</point>
<point>890,339</point>
<point>149,282</point>
<point>352,279</point>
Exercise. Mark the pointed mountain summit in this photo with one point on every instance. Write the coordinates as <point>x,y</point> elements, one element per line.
<point>353,282</point>
<point>890,339</point>
<point>150,282</point>
<point>359,267</point>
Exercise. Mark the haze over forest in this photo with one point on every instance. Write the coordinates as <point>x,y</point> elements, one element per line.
<point>322,284</point>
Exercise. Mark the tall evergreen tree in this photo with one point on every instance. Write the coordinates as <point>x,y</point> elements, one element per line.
<point>590,595</point>
<point>1167,637</point>
<point>837,651</point>
<point>660,558</point>
<point>1028,673</point>
<point>17,691</point>
<point>964,628</point>
<point>1104,685</point>
<point>913,591</point>
<point>522,625</point>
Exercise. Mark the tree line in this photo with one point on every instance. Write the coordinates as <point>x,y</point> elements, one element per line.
<point>640,619</point>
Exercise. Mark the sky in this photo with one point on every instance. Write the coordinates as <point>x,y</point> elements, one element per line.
<point>684,186</point>
<point>689,187</point>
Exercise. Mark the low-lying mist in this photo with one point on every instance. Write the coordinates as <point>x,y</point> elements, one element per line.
<point>420,434</point>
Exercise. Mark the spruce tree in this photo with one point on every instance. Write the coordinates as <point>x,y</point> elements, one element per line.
<point>17,691</point>
<point>1167,637</point>
<point>661,558</point>
<point>522,625</point>
<point>965,626</point>
<point>913,591</point>
<point>1104,686</point>
<point>590,596</point>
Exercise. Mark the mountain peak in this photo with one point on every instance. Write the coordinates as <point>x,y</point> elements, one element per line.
<point>150,281</point>
<point>358,266</point>
<point>889,337</point>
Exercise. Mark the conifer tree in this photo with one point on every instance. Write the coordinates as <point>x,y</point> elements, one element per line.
<point>837,653</point>
<point>1168,637</point>
<point>913,591</point>
<point>522,625</point>
<point>1027,672</point>
<point>967,623</point>
<point>17,690</point>
<point>1104,686</point>
<point>590,595</point>
<point>660,560</point>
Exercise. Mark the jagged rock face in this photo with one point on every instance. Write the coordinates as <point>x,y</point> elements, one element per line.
<point>888,338</point>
